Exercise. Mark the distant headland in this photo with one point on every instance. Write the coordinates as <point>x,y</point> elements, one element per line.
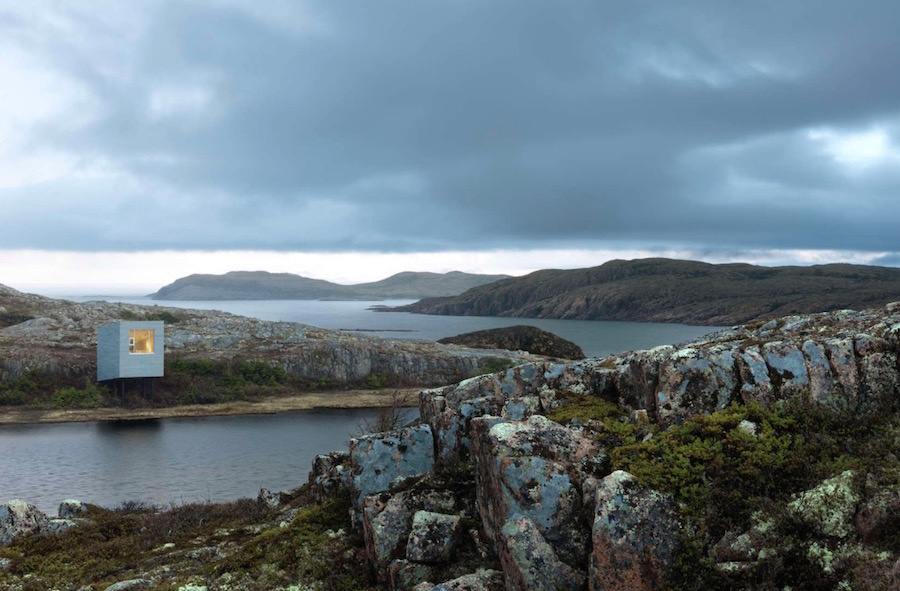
<point>261,285</point>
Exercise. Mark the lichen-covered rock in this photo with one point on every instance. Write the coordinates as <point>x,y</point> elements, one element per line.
<point>386,523</point>
<point>432,537</point>
<point>379,460</point>
<point>635,536</point>
<point>405,575</point>
<point>57,526</point>
<point>71,508</point>
<point>756,386</point>
<point>530,563</point>
<point>788,365</point>
<point>18,518</point>
<point>535,468</point>
<point>482,580</point>
<point>829,507</point>
<point>737,553</point>
<point>330,472</point>
<point>878,369</point>
<point>131,584</point>
<point>515,393</point>
<point>387,520</point>
<point>693,381</point>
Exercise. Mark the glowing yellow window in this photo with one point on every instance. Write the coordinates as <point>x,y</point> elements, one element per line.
<point>140,341</point>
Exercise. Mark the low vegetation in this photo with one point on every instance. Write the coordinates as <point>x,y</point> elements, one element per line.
<point>263,548</point>
<point>733,468</point>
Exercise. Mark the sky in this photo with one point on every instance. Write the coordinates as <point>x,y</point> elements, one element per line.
<point>142,141</point>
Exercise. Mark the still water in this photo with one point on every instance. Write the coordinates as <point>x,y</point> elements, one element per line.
<point>224,458</point>
<point>168,461</point>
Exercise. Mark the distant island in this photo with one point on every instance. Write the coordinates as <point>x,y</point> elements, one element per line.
<point>261,285</point>
<point>667,290</point>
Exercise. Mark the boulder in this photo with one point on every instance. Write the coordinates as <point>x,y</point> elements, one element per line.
<point>71,508</point>
<point>387,521</point>
<point>18,518</point>
<point>530,563</point>
<point>756,386</point>
<point>482,580</point>
<point>635,536</point>
<point>57,526</point>
<point>131,584</point>
<point>378,461</point>
<point>432,537</point>
<point>829,507</point>
<point>269,498</point>
<point>535,469</point>
<point>788,367</point>
<point>330,472</point>
<point>406,575</point>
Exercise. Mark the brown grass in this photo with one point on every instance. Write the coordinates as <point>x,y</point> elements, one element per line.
<point>271,405</point>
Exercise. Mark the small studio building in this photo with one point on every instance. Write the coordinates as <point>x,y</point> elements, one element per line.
<point>130,349</point>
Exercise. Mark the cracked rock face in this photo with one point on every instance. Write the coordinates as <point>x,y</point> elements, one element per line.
<point>18,518</point>
<point>635,534</point>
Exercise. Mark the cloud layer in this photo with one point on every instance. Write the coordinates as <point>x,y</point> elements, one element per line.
<point>430,126</point>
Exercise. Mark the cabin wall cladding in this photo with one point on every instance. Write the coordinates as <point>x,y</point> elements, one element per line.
<point>115,356</point>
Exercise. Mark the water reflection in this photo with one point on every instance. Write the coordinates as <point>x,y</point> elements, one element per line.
<point>168,461</point>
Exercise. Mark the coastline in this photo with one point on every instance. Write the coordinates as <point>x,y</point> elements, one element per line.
<point>271,405</point>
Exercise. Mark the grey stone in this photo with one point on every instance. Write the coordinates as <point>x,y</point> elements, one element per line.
<point>635,536</point>
<point>482,580</point>
<point>18,518</point>
<point>378,460</point>
<point>535,468</point>
<point>70,508</point>
<point>131,584</point>
<point>829,507</point>
<point>270,499</point>
<point>530,563</point>
<point>405,575</point>
<point>433,537</point>
<point>330,472</point>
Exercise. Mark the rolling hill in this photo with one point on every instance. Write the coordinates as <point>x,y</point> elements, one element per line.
<point>261,285</point>
<point>666,290</point>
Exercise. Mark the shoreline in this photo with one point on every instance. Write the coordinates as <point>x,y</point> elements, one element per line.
<point>272,405</point>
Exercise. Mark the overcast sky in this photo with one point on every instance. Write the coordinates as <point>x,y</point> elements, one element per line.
<point>346,140</point>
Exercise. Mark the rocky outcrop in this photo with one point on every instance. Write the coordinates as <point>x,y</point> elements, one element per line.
<point>553,515</point>
<point>519,338</point>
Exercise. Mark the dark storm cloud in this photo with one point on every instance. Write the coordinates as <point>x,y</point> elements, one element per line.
<point>436,125</point>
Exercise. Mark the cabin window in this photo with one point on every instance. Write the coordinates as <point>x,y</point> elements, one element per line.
<point>140,341</point>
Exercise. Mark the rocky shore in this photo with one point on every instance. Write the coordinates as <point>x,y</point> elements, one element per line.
<point>58,337</point>
<point>765,456</point>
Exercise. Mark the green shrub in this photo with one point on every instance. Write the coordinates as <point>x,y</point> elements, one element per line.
<point>262,373</point>
<point>493,365</point>
<point>376,381</point>
<point>11,398</point>
<point>91,396</point>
